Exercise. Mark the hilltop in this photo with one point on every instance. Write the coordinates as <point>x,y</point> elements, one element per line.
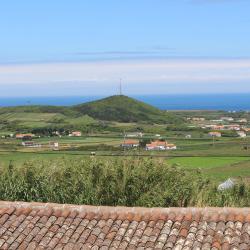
<point>122,109</point>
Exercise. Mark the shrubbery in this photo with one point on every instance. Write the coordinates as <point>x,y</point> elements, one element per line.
<point>127,182</point>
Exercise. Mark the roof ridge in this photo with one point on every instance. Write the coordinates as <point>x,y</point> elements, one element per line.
<point>35,225</point>
<point>124,209</point>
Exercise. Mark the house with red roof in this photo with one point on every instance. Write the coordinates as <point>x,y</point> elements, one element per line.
<point>25,136</point>
<point>130,143</point>
<point>76,134</point>
<point>160,145</point>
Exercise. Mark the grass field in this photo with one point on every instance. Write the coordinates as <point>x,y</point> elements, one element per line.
<point>217,168</point>
<point>217,159</point>
<point>29,120</point>
<point>33,120</point>
<point>220,160</point>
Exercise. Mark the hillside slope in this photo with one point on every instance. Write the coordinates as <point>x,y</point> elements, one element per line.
<point>113,108</point>
<point>121,109</point>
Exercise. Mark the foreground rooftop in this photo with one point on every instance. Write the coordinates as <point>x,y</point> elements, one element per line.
<point>54,226</point>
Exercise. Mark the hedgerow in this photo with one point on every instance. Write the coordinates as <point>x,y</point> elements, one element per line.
<point>126,182</point>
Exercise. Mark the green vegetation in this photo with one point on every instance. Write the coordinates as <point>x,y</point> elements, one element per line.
<point>224,159</point>
<point>29,121</point>
<point>102,115</point>
<point>216,168</point>
<point>207,162</point>
<point>189,175</point>
<point>122,109</point>
<point>127,182</point>
<point>114,108</point>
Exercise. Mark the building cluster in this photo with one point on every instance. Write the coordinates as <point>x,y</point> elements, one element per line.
<point>33,144</point>
<point>27,140</point>
<point>196,119</point>
<point>160,145</point>
<point>154,145</point>
<point>232,127</point>
<point>225,123</point>
<point>221,119</point>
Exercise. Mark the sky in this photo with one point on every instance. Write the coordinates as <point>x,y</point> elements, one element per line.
<point>78,47</point>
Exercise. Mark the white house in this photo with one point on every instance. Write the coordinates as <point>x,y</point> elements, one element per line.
<point>241,134</point>
<point>226,118</point>
<point>160,145</point>
<point>76,134</point>
<point>31,144</point>
<point>214,134</point>
<point>54,145</point>
<point>130,143</point>
<point>135,134</point>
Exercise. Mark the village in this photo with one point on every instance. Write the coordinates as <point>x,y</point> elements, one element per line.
<point>225,123</point>
<point>28,141</point>
<point>225,126</point>
<point>125,125</point>
<point>197,128</point>
<point>202,141</point>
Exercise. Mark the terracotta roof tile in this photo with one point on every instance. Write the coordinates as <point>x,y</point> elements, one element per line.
<point>54,226</point>
<point>247,219</point>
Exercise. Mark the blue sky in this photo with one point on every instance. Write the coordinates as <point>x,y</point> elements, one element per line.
<point>156,46</point>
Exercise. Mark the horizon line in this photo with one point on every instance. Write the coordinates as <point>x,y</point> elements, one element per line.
<point>132,95</point>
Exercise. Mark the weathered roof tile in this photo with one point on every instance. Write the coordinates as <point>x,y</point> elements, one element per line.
<point>55,226</point>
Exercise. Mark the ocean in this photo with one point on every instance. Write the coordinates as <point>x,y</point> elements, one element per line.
<point>227,102</point>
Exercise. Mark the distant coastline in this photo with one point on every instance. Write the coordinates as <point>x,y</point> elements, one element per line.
<point>227,102</point>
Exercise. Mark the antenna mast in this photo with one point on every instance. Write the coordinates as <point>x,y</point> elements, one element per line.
<point>120,87</point>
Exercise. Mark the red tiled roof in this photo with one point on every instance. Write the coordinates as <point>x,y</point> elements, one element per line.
<point>157,144</point>
<point>131,141</point>
<point>49,226</point>
<point>23,135</point>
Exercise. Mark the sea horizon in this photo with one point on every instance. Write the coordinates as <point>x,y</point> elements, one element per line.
<point>220,101</point>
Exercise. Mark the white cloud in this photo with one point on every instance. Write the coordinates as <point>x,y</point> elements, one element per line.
<point>148,76</point>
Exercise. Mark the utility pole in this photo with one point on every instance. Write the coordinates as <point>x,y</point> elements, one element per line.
<point>124,139</point>
<point>124,136</point>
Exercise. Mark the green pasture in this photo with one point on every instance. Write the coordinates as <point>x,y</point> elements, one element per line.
<point>224,158</point>
<point>27,116</point>
<point>206,162</point>
<point>40,120</point>
<point>217,168</point>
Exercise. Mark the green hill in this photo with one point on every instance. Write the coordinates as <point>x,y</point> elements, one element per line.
<point>121,109</point>
<point>113,108</point>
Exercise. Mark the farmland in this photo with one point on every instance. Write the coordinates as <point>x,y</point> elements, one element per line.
<point>224,159</point>
<point>216,158</point>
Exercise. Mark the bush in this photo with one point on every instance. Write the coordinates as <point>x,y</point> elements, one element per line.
<point>126,182</point>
